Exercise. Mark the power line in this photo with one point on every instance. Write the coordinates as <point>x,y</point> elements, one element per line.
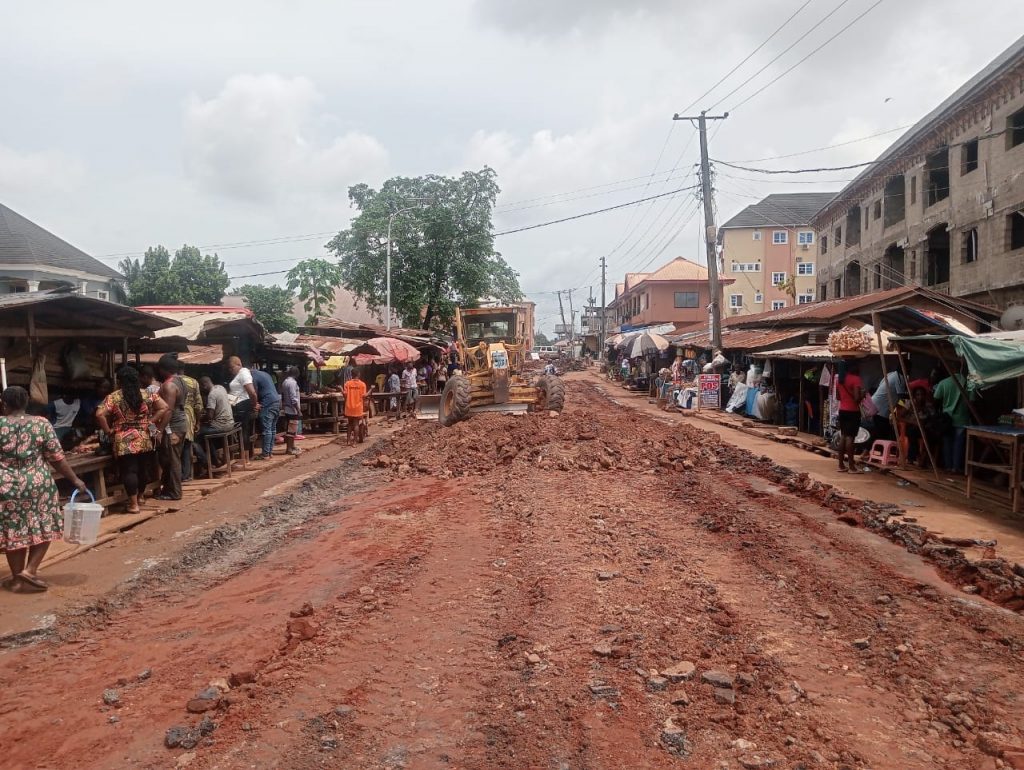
<point>826,147</point>
<point>794,170</point>
<point>792,45</point>
<point>747,58</point>
<point>236,245</point>
<point>779,77</point>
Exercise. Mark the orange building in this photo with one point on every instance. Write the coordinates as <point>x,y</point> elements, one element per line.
<point>676,293</point>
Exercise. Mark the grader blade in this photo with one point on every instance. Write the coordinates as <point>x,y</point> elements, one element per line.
<point>427,407</point>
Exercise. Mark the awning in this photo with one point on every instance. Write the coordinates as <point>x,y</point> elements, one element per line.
<point>990,360</point>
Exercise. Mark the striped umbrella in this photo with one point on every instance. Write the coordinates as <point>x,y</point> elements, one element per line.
<point>642,344</point>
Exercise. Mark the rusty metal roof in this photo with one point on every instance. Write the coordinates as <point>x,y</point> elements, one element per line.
<point>737,339</point>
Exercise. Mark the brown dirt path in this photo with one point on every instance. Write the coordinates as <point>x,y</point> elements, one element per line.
<point>526,593</point>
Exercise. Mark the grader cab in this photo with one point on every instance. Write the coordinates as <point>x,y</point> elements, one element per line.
<point>492,347</point>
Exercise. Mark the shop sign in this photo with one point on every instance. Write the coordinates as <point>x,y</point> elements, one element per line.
<point>710,391</point>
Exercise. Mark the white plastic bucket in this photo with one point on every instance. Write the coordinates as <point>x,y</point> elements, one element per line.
<point>82,520</point>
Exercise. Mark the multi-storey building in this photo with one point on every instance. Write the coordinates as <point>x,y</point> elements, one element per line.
<point>676,293</point>
<point>33,259</point>
<point>943,207</point>
<point>769,251</point>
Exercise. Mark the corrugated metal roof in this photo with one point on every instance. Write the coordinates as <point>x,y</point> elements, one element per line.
<point>200,322</point>
<point>679,269</point>
<point>23,242</point>
<point>781,210</point>
<point>737,339</point>
<point>65,309</point>
<point>197,355</point>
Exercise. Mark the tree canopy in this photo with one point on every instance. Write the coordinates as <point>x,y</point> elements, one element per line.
<point>272,306</point>
<point>189,278</point>
<point>442,247</point>
<point>315,280</point>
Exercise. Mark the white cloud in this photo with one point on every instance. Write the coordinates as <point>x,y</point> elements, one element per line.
<point>258,140</point>
<point>31,174</point>
<point>545,18</point>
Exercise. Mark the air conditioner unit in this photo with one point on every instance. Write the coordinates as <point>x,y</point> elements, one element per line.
<point>988,207</point>
<point>800,259</point>
<point>805,246</point>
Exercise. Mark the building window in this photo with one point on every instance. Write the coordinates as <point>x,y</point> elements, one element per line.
<point>780,236</point>
<point>853,226</point>
<point>969,246</point>
<point>686,299</point>
<point>1016,225</point>
<point>805,238</point>
<point>823,291</point>
<point>778,304</point>
<point>968,157</point>
<point>758,298</point>
<point>838,239</point>
<point>913,190</point>
<point>102,295</point>
<point>895,202</point>
<point>778,278</point>
<point>876,210</point>
<point>912,269</point>
<point>805,268</point>
<point>867,213</point>
<point>735,300</point>
<point>936,175</point>
<point>746,267</point>
<point>1015,129</point>
<point>877,273</point>
<point>757,235</point>
<point>803,299</point>
<point>837,287</point>
<point>824,244</point>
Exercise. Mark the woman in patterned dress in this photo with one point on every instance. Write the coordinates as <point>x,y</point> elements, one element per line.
<point>30,513</point>
<point>126,415</point>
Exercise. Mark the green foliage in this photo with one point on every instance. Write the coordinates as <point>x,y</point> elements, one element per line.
<point>540,338</point>
<point>272,306</point>
<point>315,280</point>
<point>190,278</point>
<point>442,249</point>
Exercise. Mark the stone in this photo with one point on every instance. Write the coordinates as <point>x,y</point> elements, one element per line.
<point>383,461</point>
<point>680,672</point>
<point>114,719</point>
<point>145,674</point>
<point>610,628</point>
<point>786,696</point>
<point>602,690</point>
<point>186,759</point>
<point>862,644</point>
<point>674,738</point>
<point>111,697</point>
<point>206,726</point>
<point>533,658</point>
<point>605,575</point>
<point>790,740</point>
<point>344,710</point>
<point>657,684</point>
<point>238,678</point>
<point>720,679</point>
<point>745,681</point>
<point>303,612</point>
<point>177,736</point>
<point>724,696</point>
<point>754,762</point>
<point>883,599</point>
<point>742,744</point>
<point>220,684</point>
<point>303,629</point>
<point>602,650</point>
<point>823,614</point>
<point>328,742</point>
<point>680,698</point>
<point>204,701</point>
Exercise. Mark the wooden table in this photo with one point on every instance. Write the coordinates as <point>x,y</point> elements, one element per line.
<point>1003,438</point>
<point>323,409</point>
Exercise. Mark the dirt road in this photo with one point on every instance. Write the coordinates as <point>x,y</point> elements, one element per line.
<point>597,590</point>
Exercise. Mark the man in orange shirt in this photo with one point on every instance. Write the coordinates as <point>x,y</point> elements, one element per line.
<point>355,390</point>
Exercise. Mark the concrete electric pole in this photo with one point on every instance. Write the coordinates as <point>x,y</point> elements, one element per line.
<point>604,280</point>
<point>709,223</point>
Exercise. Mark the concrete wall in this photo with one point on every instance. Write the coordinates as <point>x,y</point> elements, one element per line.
<point>654,302</point>
<point>739,246</point>
<point>981,199</point>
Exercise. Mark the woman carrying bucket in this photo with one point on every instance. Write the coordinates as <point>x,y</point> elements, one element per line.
<point>30,514</point>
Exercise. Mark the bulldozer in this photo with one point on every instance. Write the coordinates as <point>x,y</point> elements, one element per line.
<point>492,344</point>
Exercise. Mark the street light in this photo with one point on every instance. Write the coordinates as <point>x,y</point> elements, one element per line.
<point>391,220</point>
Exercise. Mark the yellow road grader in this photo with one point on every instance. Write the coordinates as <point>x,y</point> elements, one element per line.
<point>492,346</point>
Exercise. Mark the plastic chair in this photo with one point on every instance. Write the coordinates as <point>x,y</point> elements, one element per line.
<point>884,453</point>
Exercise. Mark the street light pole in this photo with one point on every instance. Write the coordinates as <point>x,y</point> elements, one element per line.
<point>391,221</point>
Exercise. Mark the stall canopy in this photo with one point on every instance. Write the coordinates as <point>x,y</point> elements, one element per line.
<point>63,313</point>
<point>990,360</point>
<point>202,325</point>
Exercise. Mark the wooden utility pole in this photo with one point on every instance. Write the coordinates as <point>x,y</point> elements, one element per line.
<point>561,310</point>
<point>604,280</point>
<point>710,236</point>
<point>572,328</point>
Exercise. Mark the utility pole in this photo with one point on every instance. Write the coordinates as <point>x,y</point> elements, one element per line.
<point>561,310</point>
<point>709,223</point>
<point>604,268</point>
<point>572,328</point>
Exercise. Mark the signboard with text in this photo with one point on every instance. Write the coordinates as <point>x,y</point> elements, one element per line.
<point>710,391</point>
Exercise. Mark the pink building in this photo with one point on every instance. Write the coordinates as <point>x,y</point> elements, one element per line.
<point>676,293</point>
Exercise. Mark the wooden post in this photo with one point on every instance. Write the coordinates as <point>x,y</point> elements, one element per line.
<point>800,396</point>
<point>960,386</point>
<point>885,374</point>
<point>913,407</point>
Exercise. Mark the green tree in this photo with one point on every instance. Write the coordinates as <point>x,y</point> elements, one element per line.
<point>272,306</point>
<point>315,280</point>
<point>540,338</point>
<point>189,278</point>
<point>442,250</point>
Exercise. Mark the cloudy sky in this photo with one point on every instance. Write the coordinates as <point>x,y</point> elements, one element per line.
<point>123,125</point>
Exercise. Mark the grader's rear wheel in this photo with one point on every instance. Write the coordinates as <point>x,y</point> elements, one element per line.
<point>551,394</point>
<point>455,401</point>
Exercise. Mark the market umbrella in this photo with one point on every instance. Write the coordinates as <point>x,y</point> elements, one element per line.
<point>385,350</point>
<point>643,344</point>
<point>615,339</point>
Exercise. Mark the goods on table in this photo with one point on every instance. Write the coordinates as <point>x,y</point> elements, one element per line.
<point>846,341</point>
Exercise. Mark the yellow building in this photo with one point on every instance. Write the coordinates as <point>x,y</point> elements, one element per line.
<point>769,250</point>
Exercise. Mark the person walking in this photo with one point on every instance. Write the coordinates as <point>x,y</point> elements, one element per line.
<point>244,400</point>
<point>270,409</point>
<point>291,408</point>
<point>355,390</point>
<point>127,415</point>
<point>30,514</point>
<point>173,427</point>
<point>850,390</point>
<point>394,386</point>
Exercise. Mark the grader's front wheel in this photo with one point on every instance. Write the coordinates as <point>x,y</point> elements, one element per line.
<point>551,394</point>
<point>455,401</point>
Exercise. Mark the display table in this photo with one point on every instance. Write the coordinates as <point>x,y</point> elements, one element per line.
<point>323,409</point>
<point>1003,438</point>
